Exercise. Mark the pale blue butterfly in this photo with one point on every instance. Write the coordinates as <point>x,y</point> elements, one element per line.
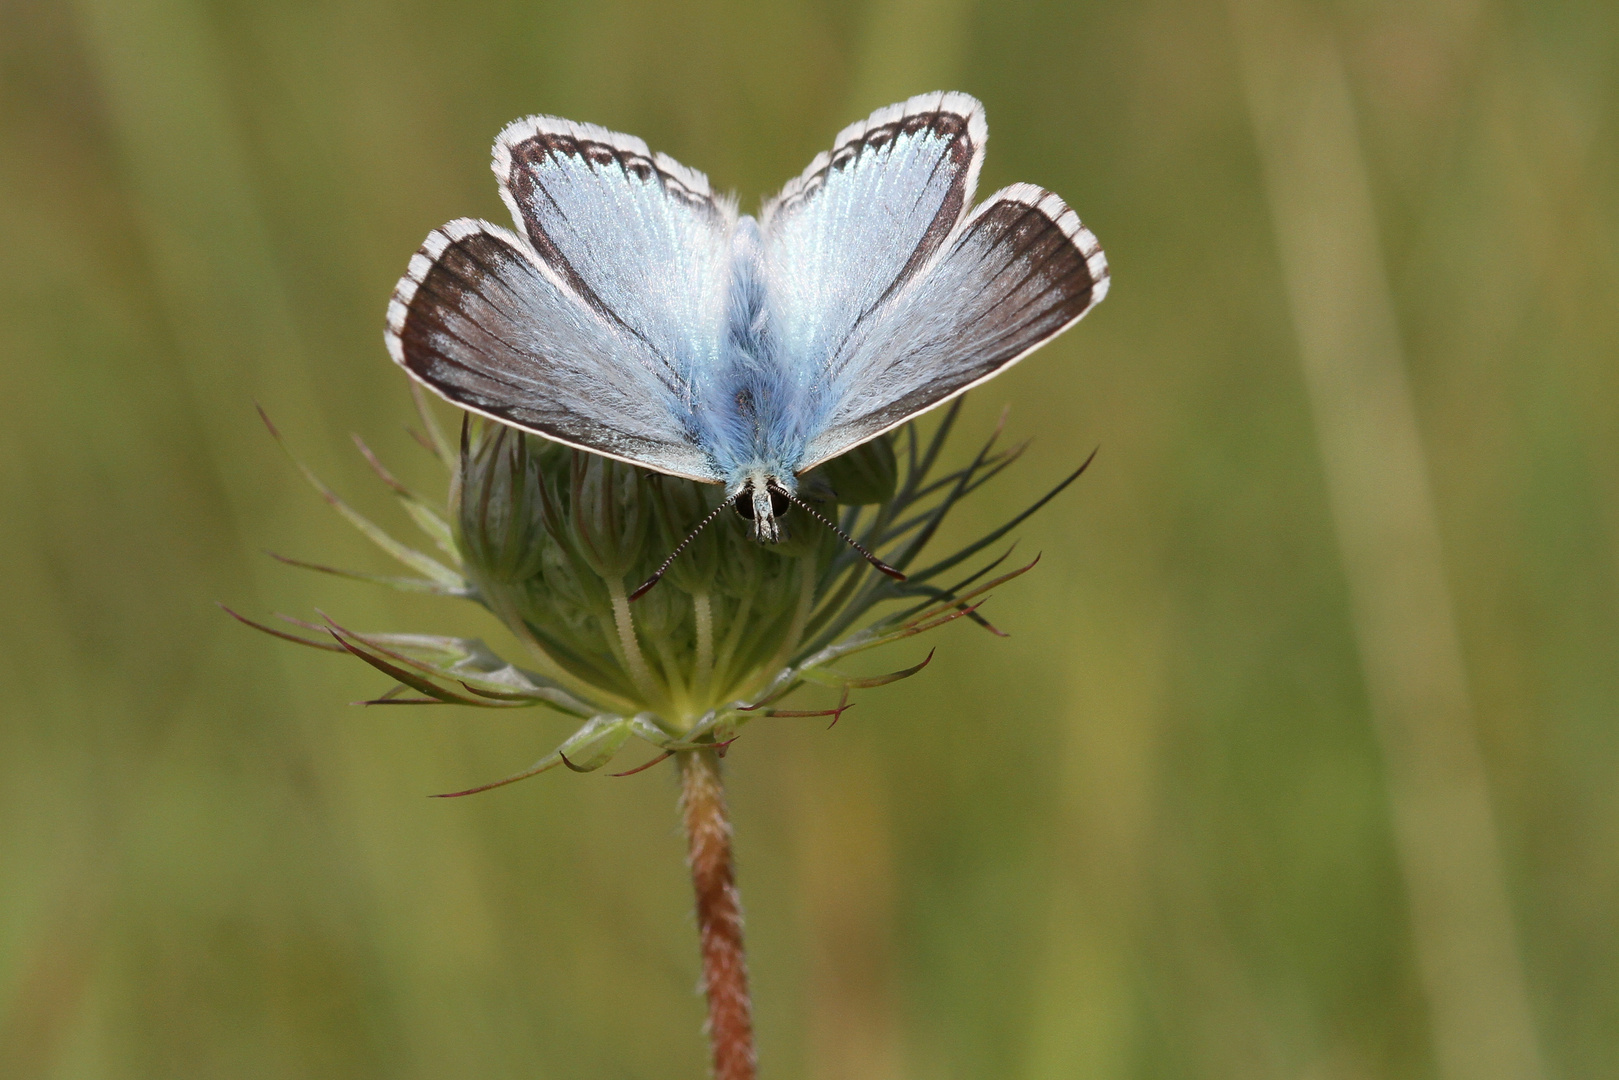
<point>637,315</point>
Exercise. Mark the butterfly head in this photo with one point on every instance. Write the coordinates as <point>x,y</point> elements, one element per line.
<point>762,499</point>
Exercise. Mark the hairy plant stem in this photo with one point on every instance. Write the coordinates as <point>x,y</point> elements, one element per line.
<point>719,915</point>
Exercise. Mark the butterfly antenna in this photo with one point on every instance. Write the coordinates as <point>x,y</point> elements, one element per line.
<point>646,586</point>
<point>847,539</point>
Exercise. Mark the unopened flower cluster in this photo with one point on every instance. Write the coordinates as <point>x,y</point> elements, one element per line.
<point>553,542</point>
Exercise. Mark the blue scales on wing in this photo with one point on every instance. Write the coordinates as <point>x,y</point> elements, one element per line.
<point>1017,272</point>
<point>638,316</point>
<point>891,294</point>
<point>860,222</point>
<point>591,327</point>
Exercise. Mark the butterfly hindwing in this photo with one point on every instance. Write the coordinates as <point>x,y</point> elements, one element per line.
<point>1020,270</point>
<point>485,323</point>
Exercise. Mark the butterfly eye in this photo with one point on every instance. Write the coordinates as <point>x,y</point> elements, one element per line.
<point>744,505</point>
<point>778,502</point>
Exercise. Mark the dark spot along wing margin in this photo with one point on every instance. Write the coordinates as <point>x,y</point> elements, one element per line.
<point>484,324</point>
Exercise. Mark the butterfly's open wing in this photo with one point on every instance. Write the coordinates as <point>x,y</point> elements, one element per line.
<point>594,327</point>
<point>637,236</point>
<point>1020,270</point>
<point>486,323</point>
<point>861,221</point>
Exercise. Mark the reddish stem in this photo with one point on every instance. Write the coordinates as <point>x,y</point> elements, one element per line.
<point>719,916</point>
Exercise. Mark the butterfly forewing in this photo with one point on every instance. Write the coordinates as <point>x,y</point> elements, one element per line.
<point>637,236</point>
<point>1019,271</point>
<point>865,218</point>
<point>483,322</point>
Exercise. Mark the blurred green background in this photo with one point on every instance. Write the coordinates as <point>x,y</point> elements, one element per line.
<point>1152,834</point>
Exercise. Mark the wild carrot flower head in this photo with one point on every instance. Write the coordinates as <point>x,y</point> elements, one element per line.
<point>553,541</point>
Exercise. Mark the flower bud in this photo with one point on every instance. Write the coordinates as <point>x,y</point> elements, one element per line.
<point>500,524</point>
<point>608,513</point>
<point>550,540</point>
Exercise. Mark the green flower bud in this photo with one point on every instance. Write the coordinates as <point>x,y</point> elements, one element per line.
<point>551,541</point>
<point>500,528</point>
<point>608,513</point>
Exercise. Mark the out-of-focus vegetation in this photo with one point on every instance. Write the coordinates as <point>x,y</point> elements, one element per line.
<point>1150,835</point>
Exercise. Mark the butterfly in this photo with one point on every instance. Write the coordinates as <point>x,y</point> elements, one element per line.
<point>636,314</point>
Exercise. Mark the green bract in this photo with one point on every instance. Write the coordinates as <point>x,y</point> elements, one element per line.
<point>552,541</point>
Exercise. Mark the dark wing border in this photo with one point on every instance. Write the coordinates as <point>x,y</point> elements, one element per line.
<point>399,308</point>
<point>916,403</point>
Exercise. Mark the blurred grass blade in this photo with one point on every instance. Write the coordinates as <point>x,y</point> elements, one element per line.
<point>1349,344</point>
